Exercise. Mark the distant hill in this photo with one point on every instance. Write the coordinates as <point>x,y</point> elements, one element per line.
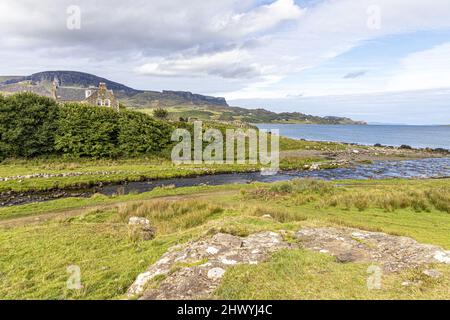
<point>5,78</point>
<point>181,104</point>
<point>129,96</point>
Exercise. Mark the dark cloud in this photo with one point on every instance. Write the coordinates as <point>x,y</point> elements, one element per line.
<point>354,75</point>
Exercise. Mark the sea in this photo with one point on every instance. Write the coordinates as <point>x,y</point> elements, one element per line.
<point>388,135</point>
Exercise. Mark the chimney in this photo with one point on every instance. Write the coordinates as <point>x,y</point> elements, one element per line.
<point>102,86</point>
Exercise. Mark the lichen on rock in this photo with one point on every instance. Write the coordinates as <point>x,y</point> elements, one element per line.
<point>392,253</point>
<point>186,279</point>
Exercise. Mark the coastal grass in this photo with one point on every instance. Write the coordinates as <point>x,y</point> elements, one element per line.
<point>35,258</point>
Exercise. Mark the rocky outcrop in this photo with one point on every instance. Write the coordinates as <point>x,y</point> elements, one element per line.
<point>194,271</point>
<point>392,253</point>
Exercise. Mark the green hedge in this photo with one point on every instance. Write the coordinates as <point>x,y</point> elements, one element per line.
<point>27,125</point>
<point>31,125</point>
<point>86,131</point>
<point>141,134</point>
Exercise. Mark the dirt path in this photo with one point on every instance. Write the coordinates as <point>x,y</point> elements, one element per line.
<point>39,218</point>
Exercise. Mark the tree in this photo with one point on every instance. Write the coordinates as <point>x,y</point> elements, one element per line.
<point>87,131</point>
<point>161,113</point>
<point>141,134</point>
<point>31,125</point>
<point>28,123</point>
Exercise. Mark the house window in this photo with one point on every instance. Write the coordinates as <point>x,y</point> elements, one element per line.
<point>107,102</point>
<point>99,102</point>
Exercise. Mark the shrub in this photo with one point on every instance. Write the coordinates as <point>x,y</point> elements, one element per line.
<point>87,131</point>
<point>161,113</point>
<point>32,125</point>
<point>141,134</point>
<point>101,132</point>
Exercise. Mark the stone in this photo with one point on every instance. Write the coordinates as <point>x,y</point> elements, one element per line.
<point>138,221</point>
<point>442,256</point>
<point>345,257</point>
<point>212,250</point>
<point>432,273</point>
<point>141,228</point>
<point>216,273</point>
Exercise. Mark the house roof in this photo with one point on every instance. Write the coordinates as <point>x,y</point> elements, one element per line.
<point>70,94</point>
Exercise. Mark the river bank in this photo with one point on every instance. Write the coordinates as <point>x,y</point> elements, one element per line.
<point>419,169</point>
<point>27,181</point>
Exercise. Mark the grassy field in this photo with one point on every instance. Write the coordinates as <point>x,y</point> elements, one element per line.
<point>35,256</point>
<point>179,109</point>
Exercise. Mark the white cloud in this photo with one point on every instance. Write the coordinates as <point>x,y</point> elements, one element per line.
<point>427,69</point>
<point>239,45</point>
<point>259,19</point>
<point>229,64</point>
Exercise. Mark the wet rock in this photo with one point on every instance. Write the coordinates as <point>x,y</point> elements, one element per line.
<point>140,228</point>
<point>204,264</point>
<point>392,253</point>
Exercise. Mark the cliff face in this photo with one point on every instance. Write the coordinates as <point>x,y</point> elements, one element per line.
<point>196,98</point>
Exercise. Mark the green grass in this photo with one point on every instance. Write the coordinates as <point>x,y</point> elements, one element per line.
<point>287,144</point>
<point>301,274</point>
<point>34,259</point>
<point>65,204</point>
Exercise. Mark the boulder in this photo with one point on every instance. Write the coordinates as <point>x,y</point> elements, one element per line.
<point>141,229</point>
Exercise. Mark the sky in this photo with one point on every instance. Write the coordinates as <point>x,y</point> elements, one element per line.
<point>385,61</point>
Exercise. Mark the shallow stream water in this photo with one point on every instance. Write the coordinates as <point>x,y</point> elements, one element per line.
<point>419,169</point>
